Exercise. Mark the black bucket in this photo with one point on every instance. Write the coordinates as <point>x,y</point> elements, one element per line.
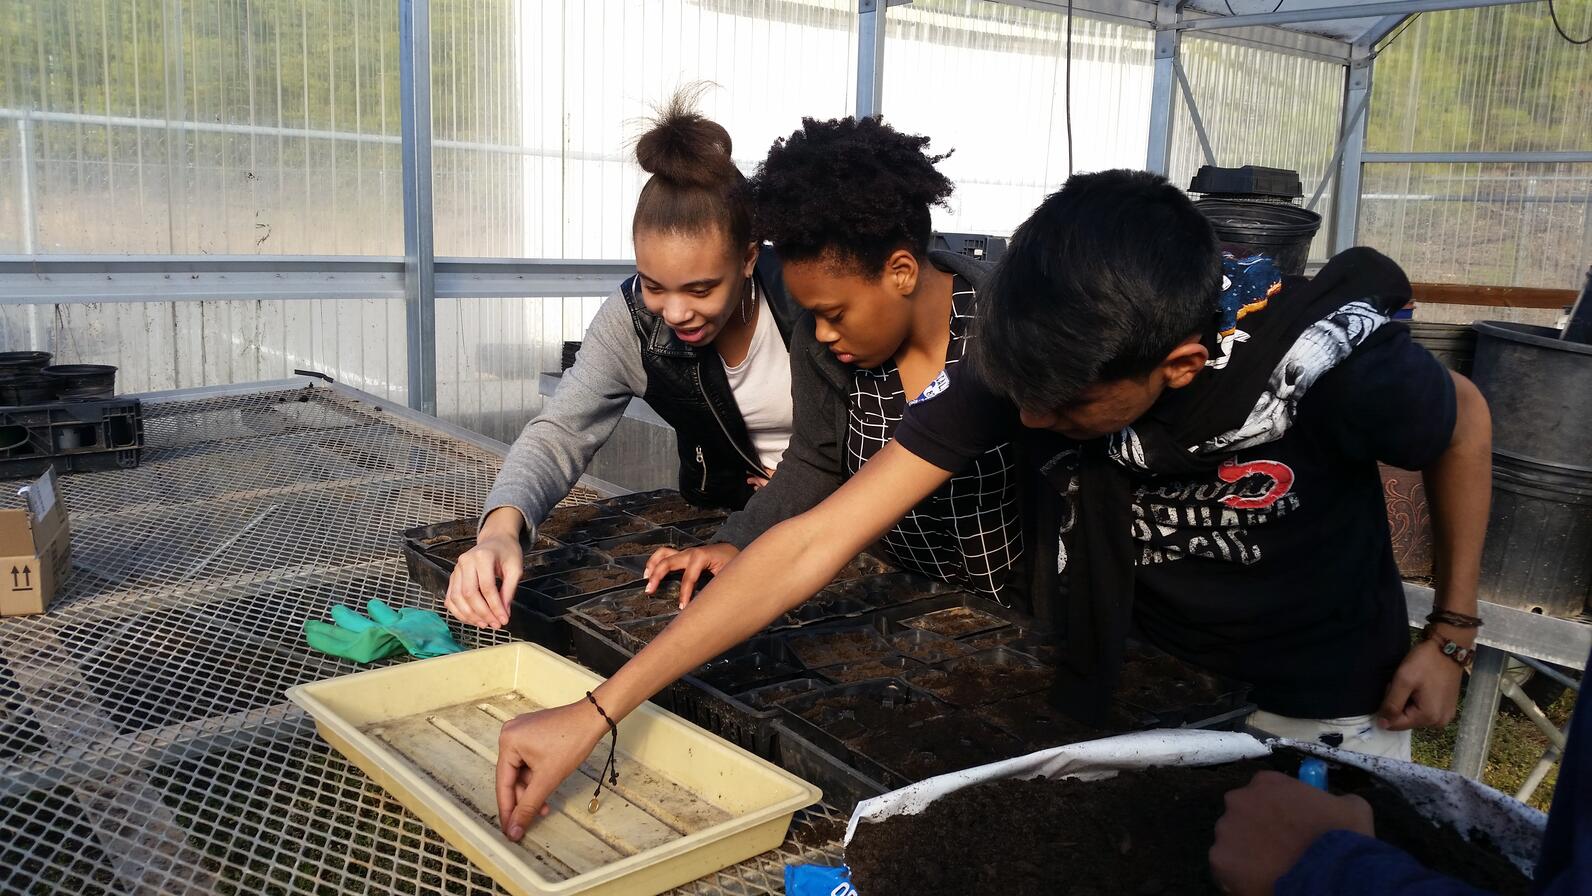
<point>82,382</point>
<point>1539,541</point>
<point>1278,229</point>
<point>1453,344</point>
<point>25,387</point>
<point>17,361</point>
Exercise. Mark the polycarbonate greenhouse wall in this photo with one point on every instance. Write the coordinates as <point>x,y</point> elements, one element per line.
<point>274,128</point>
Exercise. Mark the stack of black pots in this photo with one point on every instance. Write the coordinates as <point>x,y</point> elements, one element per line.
<point>28,378</point>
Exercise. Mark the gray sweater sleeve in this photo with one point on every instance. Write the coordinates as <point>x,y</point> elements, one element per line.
<point>811,469</point>
<point>557,445</point>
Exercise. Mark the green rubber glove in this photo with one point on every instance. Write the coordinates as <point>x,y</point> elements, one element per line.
<point>385,633</point>
<point>422,632</point>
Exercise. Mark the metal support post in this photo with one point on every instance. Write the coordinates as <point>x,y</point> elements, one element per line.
<point>870,56</point>
<point>1163,89</point>
<point>1194,112</point>
<point>30,224</point>
<point>420,293</point>
<point>1479,712</point>
<point>1356,111</point>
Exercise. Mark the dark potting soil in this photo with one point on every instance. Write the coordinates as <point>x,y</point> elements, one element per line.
<point>564,520</point>
<point>775,694</point>
<point>628,605</point>
<point>862,565</point>
<point>640,634</point>
<point>584,581</point>
<point>955,622</point>
<point>639,549</point>
<point>833,648</point>
<point>672,509</point>
<point>821,607</point>
<point>604,527</point>
<point>883,590</point>
<point>1159,683</point>
<point>927,647</point>
<point>938,745</point>
<point>973,683</point>
<point>868,670</point>
<point>1032,719</point>
<point>1139,833</point>
<point>852,716</point>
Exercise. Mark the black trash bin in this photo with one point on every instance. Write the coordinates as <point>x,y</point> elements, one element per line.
<point>1278,229</point>
<point>1539,537</point>
<point>82,382</point>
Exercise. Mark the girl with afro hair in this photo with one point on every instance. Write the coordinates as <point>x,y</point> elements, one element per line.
<point>845,204</point>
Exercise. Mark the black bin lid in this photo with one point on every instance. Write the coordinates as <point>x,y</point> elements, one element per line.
<point>1250,180</point>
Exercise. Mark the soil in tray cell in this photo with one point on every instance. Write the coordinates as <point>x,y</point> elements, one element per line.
<point>733,675</point>
<point>831,648</point>
<point>955,622</point>
<point>983,678</point>
<point>927,647</point>
<point>888,707</point>
<point>1143,832</point>
<point>583,581</point>
<point>640,634</point>
<point>822,607</point>
<point>940,745</point>
<point>883,591</point>
<point>603,527</point>
<point>773,695</point>
<point>869,670</point>
<point>1160,683</point>
<point>672,509</point>
<point>862,565</point>
<point>633,604</point>
<point>642,549</point>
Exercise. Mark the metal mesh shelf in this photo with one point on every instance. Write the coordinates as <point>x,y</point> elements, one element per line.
<point>145,745</point>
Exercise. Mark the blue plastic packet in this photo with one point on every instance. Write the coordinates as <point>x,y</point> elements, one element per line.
<point>818,880</point>
<point>1313,771</point>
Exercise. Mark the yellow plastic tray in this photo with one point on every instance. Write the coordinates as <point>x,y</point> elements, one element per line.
<point>689,803</point>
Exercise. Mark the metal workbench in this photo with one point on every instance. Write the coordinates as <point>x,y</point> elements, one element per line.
<point>145,743</point>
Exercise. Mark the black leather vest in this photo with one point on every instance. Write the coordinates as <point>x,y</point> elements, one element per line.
<point>688,388</point>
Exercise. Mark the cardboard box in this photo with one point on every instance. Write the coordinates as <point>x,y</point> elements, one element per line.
<point>35,550</point>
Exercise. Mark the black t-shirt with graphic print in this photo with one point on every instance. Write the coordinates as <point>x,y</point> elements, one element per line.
<point>1278,569</point>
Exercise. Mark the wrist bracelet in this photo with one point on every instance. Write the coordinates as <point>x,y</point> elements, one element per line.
<point>611,767</point>
<point>1457,620</point>
<point>1455,651</point>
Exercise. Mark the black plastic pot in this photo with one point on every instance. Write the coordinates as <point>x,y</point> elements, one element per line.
<point>82,382</point>
<point>1278,229</point>
<point>16,361</point>
<point>1538,555</point>
<point>19,388</point>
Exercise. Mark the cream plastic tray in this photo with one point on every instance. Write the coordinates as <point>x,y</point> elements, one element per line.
<point>689,803</point>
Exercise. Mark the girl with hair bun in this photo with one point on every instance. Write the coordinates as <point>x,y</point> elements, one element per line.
<point>700,332</point>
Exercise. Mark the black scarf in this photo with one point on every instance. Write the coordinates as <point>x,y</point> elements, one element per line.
<point>1275,336</point>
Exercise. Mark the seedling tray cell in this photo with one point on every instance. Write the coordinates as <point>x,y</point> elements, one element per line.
<point>927,647</point>
<point>869,670</point>
<point>985,677</point>
<point>664,507</point>
<point>631,604</point>
<point>830,647</point>
<point>633,551</point>
<point>888,590</point>
<point>569,586</point>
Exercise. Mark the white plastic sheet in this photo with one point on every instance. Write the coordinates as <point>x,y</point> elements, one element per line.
<point>1514,828</point>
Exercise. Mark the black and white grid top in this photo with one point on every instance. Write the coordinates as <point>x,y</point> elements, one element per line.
<point>968,532</point>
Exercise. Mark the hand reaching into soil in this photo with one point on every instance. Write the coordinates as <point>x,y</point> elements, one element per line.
<point>1268,826</point>
<point>1424,692</point>
<point>474,595</point>
<point>690,563</point>
<point>536,752</point>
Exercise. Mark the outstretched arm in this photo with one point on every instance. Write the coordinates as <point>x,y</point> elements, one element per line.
<point>777,572</point>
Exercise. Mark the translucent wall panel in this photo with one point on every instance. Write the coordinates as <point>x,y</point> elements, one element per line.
<point>989,81</point>
<point>196,126</point>
<point>559,89</point>
<point>491,354</point>
<point>180,345</point>
<point>1496,79</point>
<point>1484,80</point>
<point>1260,108</point>
<point>1501,225</point>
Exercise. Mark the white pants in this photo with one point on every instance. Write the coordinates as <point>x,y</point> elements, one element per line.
<point>1358,733</point>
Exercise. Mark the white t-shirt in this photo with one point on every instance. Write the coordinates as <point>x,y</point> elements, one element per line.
<point>761,386</point>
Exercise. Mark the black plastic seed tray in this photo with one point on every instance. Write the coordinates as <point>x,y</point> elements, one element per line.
<point>956,615</point>
<point>983,677</point>
<point>840,720</point>
<point>869,670</point>
<point>71,436</point>
<point>833,646</point>
<point>887,589</point>
<point>771,695</point>
<point>843,786</point>
<point>864,565</point>
<point>629,604</point>
<point>822,608</point>
<point>1195,699</point>
<point>664,507</point>
<point>432,552</point>
<point>572,586</point>
<point>586,523</point>
<point>633,551</point>
<point>927,647</point>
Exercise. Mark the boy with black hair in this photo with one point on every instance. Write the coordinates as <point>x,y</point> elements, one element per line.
<point>1213,452</point>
